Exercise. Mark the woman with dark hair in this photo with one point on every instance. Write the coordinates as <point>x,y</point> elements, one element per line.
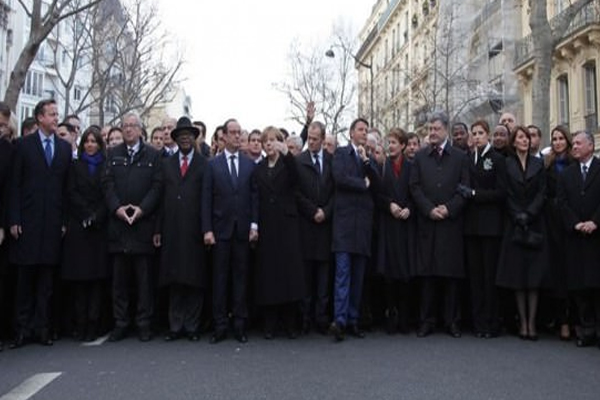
<point>524,251</point>
<point>115,137</point>
<point>484,226</point>
<point>279,273</point>
<point>555,162</point>
<point>85,248</point>
<point>395,224</point>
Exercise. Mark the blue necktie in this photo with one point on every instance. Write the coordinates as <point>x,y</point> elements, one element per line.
<point>234,174</point>
<point>48,151</point>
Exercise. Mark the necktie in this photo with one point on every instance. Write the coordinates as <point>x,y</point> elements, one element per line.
<point>131,153</point>
<point>48,151</point>
<point>584,171</point>
<point>233,170</point>
<point>317,163</point>
<point>184,166</point>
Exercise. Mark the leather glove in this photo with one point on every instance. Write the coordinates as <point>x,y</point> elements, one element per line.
<point>522,219</point>
<point>465,191</point>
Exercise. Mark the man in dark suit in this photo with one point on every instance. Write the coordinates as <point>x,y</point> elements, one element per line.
<point>437,172</point>
<point>132,185</point>
<point>203,148</point>
<point>229,215</point>
<point>578,195</point>
<point>36,220</point>
<point>183,264</point>
<point>353,174</point>
<point>315,203</point>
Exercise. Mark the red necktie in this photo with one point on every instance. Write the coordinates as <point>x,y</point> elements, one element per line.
<point>184,166</point>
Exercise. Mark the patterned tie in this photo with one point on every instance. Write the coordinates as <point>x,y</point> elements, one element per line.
<point>184,166</point>
<point>131,153</point>
<point>48,151</point>
<point>233,170</point>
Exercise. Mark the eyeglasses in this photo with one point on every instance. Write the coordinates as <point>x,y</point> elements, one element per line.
<point>125,126</point>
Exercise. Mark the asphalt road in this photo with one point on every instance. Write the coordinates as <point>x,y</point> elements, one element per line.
<point>313,367</point>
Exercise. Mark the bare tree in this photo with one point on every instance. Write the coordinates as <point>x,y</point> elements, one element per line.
<point>44,17</point>
<point>328,81</point>
<point>545,37</point>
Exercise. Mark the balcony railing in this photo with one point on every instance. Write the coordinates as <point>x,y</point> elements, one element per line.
<point>589,15</point>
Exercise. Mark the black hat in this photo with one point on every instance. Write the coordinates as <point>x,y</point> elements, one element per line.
<point>184,124</point>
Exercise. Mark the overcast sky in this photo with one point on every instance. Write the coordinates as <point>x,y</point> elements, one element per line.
<point>236,49</point>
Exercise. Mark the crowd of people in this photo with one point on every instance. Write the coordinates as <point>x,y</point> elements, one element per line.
<point>111,229</point>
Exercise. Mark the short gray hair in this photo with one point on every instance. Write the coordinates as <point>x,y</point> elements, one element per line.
<point>439,116</point>
<point>320,126</point>
<point>134,115</point>
<point>587,135</point>
<point>296,139</point>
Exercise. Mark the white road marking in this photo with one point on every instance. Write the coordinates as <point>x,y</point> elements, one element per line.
<point>96,342</point>
<point>31,386</point>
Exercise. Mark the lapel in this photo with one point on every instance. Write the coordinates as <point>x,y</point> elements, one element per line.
<point>306,159</point>
<point>593,171</point>
<point>354,158</point>
<point>40,149</point>
<point>223,162</point>
<point>326,162</point>
<point>533,167</point>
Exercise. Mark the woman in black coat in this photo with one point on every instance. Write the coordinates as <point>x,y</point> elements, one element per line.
<point>524,253</point>
<point>279,275</point>
<point>85,247</point>
<point>395,232</point>
<point>555,162</point>
<point>484,226</point>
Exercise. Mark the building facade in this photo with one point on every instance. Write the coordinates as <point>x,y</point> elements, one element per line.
<point>574,86</point>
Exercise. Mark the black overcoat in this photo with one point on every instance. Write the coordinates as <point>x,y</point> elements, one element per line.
<point>522,267</point>
<point>434,182</point>
<point>85,249</point>
<point>279,274</point>
<point>37,200</point>
<point>580,202</point>
<point>182,258</point>
<point>315,191</point>
<point>138,183</point>
<point>6,159</point>
<point>353,202</point>
<point>395,247</point>
<point>484,215</point>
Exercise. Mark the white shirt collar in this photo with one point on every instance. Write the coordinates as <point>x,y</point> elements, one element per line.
<point>228,154</point>
<point>44,137</point>
<point>190,155</point>
<point>135,147</point>
<point>588,163</point>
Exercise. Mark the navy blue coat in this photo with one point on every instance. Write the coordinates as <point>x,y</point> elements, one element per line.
<point>37,200</point>
<point>223,205</point>
<point>353,202</point>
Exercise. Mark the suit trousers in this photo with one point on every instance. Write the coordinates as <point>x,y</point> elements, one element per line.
<point>34,293</point>
<point>88,300</point>
<point>185,307</point>
<point>430,287</point>
<point>482,263</point>
<point>317,283</point>
<point>588,312</point>
<point>132,271</point>
<point>230,263</point>
<point>348,285</point>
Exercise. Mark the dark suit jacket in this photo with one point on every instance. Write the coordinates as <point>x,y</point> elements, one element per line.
<point>138,183</point>
<point>485,211</point>
<point>580,202</point>
<point>182,251</point>
<point>315,191</point>
<point>353,202</point>
<point>37,200</point>
<point>434,182</point>
<point>228,211</point>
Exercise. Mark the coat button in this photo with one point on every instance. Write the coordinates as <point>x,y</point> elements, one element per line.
<point>439,185</point>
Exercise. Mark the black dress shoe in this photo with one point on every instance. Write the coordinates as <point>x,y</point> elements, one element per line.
<point>355,331</point>
<point>584,341</point>
<point>424,330</point>
<point>454,331</point>
<point>117,334</point>
<point>170,336</point>
<point>193,336</point>
<point>241,337</point>
<point>19,341</point>
<point>292,334</point>
<point>45,339</point>
<point>145,334</point>
<point>217,337</point>
<point>268,335</point>
<point>337,331</point>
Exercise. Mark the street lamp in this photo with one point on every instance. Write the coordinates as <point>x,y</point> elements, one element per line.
<point>330,53</point>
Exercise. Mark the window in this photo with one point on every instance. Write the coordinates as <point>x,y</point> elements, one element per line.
<point>34,84</point>
<point>563,100</point>
<point>591,101</point>
<point>77,93</point>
